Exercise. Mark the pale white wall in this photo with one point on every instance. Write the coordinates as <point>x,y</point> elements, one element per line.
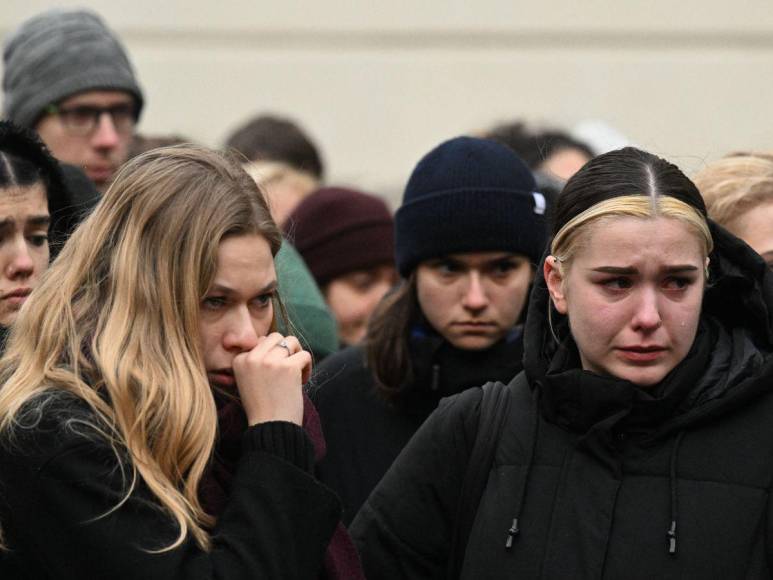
<point>380,83</point>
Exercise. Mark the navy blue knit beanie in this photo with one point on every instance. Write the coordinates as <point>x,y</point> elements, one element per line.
<point>469,195</point>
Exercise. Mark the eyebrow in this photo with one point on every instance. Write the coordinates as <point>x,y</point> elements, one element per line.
<point>34,220</point>
<point>630,271</point>
<point>228,291</point>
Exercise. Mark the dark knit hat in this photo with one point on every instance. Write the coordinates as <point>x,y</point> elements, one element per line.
<point>339,230</point>
<point>469,195</point>
<point>57,54</point>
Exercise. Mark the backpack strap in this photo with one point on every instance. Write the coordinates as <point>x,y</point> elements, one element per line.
<point>493,411</point>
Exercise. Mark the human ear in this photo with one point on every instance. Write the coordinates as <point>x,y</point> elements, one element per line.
<point>554,278</point>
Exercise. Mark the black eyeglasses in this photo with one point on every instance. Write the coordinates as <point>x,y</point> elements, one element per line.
<point>82,120</point>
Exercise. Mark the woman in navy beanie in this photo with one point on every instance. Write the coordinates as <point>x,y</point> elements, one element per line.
<point>467,236</point>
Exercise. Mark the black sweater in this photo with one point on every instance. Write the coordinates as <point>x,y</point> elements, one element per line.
<point>59,482</point>
<point>605,480</point>
<point>365,433</point>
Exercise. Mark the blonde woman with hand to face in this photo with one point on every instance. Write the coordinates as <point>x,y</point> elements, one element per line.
<point>636,443</point>
<point>151,420</point>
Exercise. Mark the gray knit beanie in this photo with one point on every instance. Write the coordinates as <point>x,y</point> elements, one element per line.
<point>57,54</point>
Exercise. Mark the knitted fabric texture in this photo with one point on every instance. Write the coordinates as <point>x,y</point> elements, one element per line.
<point>469,195</point>
<point>338,231</point>
<point>60,53</point>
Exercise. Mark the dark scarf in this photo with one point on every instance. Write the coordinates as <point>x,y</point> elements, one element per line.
<point>341,558</point>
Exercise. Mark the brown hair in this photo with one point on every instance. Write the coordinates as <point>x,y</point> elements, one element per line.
<point>387,347</point>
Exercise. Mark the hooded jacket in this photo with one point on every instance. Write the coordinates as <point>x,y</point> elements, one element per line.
<point>365,432</point>
<point>594,477</point>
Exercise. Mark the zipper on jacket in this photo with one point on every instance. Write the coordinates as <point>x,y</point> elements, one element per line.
<point>511,533</point>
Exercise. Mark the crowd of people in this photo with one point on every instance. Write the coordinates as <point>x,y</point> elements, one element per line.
<point>550,362</point>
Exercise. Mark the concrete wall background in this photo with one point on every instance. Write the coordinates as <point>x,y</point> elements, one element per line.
<point>379,83</point>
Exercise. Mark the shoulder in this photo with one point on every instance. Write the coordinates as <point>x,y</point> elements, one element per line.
<point>50,426</point>
<point>455,421</point>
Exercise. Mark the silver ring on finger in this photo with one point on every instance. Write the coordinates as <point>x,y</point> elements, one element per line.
<point>283,344</point>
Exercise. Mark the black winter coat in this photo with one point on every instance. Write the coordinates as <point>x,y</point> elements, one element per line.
<point>605,480</point>
<point>365,433</point>
<point>60,492</point>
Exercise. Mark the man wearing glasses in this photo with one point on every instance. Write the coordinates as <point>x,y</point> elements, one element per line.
<point>68,76</point>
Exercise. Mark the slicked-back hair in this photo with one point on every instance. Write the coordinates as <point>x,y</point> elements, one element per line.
<point>627,171</point>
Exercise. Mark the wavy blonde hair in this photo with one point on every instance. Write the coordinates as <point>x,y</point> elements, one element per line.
<point>115,320</point>
<point>735,185</point>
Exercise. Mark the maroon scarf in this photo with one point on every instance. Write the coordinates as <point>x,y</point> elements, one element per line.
<point>341,559</point>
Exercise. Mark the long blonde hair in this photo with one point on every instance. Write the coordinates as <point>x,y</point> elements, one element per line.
<point>115,320</point>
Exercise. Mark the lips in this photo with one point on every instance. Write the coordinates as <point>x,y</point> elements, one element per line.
<point>642,353</point>
<point>17,292</point>
<point>222,377</point>
<point>100,173</point>
<point>16,296</point>
<point>474,324</point>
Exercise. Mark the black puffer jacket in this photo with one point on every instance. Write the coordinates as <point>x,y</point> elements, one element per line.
<point>605,480</point>
<point>365,433</point>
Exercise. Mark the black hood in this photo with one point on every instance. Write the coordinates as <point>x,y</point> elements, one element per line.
<point>728,365</point>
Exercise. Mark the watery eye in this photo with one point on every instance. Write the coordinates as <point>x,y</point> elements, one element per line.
<point>678,283</point>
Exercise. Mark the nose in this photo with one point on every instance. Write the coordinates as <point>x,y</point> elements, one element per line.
<point>105,135</point>
<point>21,265</point>
<point>475,297</point>
<point>240,335</point>
<point>647,314</point>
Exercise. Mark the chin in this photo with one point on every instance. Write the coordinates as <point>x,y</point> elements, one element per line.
<point>643,377</point>
<point>469,342</point>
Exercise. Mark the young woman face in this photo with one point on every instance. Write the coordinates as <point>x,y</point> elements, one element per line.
<point>24,222</point>
<point>473,299</point>
<point>238,307</point>
<point>633,294</point>
<point>353,297</point>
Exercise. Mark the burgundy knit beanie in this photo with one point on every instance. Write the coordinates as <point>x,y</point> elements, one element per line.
<point>339,230</point>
